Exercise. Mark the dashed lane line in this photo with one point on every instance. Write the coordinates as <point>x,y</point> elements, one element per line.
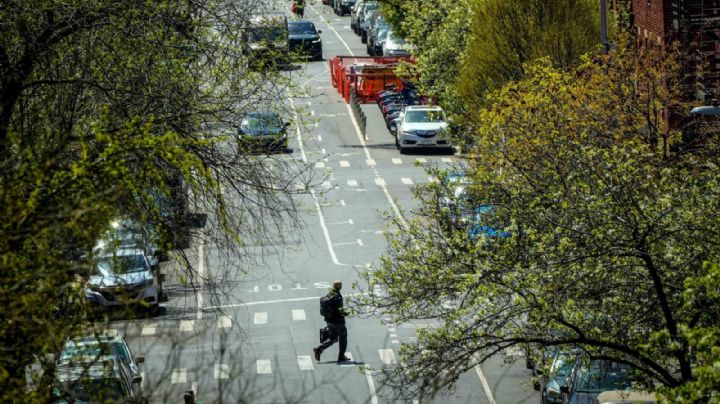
<point>263,366</point>
<point>260,318</point>
<point>221,371</point>
<point>305,362</point>
<point>397,161</point>
<point>407,181</point>
<point>298,315</point>
<point>178,376</point>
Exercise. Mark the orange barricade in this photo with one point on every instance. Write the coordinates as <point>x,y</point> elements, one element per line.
<point>367,75</point>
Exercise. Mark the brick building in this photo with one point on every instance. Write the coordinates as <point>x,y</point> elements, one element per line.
<point>695,24</point>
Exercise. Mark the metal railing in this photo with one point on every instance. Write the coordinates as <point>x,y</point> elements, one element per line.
<point>358,113</point>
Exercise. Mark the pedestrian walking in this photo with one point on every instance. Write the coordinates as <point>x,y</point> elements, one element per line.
<point>331,308</point>
<point>300,6</point>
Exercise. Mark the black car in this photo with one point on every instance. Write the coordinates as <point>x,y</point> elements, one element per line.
<point>262,131</point>
<point>342,7</point>
<point>305,39</point>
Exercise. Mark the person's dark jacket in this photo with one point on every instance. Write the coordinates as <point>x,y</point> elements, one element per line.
<point>336,314</point>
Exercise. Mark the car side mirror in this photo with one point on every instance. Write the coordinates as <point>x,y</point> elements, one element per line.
<point>139,359</point>
<point>565,389</point>
<point>137,379</point>
<point>319,31</point>
<point>287,124</point>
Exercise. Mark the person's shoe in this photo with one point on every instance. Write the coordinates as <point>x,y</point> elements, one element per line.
<point>317,354</point>
<point>344,359</point>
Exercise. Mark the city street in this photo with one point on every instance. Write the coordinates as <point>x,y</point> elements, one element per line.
<point>251,338</point>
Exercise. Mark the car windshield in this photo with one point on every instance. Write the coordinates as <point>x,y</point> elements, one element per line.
<point>92,390</point>
<point>108,266</point>
<point>394,38</point>
<point>271,34</point>
<point>424,116</point>
<point>601,378</point>
<point>370,7</point>
<point>260,122</point>
<point>301,28</point>
<point>562,366</point>
<point>79,352</point>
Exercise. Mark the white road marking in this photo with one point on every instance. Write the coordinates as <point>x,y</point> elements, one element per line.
<point>351,362</point>
<point>407,181</point>
<point>224,322</point>
<point>397,161</point>
<point>395,341</point>
<point>312,112</point>
<point>305,362</point>
<point>263,366</point>
<point>342,202</point>
<point>260,317</point>
<point>380,181</point>
<point>360,243</point>
<point>484,383</point>
<point>371,387</point>
<point>187,325</point>
<point>299,315</point>
<point>319,164</point>
<point>326,233</point>
<point>326,185</point>
<point>387,356</point>
<point>370,161</point>
<point>392,329</point>
<point>322,151</point>
<point>421,160</point>
<point>149,329</point>
<point>194,387</point>
<point>447,160</point>
<point>344,163</point>
<point>352,183</point>
<point>178,376</point>
<point>393,336</point>
<point>201,275</point>
<point>432,179</point>
<point>319,139</point>
<point>222,371</point>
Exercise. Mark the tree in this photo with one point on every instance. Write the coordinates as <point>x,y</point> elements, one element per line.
<point>112,109</point>
<point>506,35</point>
<point>606,229</point>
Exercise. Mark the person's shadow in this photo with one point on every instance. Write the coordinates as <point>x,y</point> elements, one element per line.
<point>346,363</point>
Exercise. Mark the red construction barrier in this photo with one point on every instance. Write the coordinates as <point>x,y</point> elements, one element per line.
<point>368,75</point>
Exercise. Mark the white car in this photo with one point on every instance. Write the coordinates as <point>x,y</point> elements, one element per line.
<point>422,126</point>
<point>395,46</point>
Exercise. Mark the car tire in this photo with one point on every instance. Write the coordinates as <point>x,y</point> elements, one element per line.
<point>363,37</point>
<point>397,143</point>
<point>403,150</point>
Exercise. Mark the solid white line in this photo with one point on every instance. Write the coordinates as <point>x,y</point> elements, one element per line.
<point>371,386</point>
<point>298,133</point>
<point>295,299</point>
<point>484,383</point>
<point>260,318</point>
<point>333,30</point>
<point>299,315</point>
<point>201,274</point>
<point>326,233</point>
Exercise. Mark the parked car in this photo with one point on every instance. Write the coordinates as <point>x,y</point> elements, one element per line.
<point>124,277</point>
<point>262,131</point>
<point>93,347</point>
<point>365,19</point>
<point>376,38</point>
<point>103,381</point>
<point>626,397</point>
<point>394,45</point>
<point>422,126</point>
<point>265,40</point>
<point>355,14</point>
<point>376,21</point>
<point>589,378</point>
<point>551,383</point>
<point>342,7</point>
<point>305,39</point>
<point>127,233</point>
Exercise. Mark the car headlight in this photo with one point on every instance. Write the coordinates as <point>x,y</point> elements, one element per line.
<point>317,40</point>
<point>408,133</point>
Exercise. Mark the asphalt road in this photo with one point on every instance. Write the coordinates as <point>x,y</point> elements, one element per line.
<point>253,342</point>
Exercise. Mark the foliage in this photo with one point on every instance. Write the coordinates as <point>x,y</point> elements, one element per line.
<point>508,34</point>
<point>112,109</point>
<point>610,224</point>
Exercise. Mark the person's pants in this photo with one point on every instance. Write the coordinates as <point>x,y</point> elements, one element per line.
<point>337,332</point>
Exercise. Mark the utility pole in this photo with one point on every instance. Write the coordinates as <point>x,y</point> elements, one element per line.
<point>604,26</point>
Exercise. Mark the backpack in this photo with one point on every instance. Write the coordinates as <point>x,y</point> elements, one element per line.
<point>325,306</point>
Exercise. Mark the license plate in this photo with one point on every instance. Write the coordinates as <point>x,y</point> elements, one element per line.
<point>426,142</point>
